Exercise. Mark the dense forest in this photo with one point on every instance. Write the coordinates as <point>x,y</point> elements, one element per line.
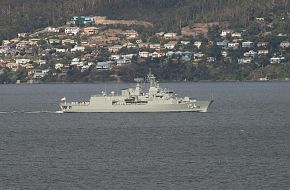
<point>29,15</point>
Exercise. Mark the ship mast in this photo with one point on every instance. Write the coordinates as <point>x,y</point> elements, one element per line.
<point>151,78</point>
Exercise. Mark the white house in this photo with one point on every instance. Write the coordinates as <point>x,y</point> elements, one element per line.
<point>226,32</point>
<point>236,35</point>
<point>284,44</point>
<point>245,60</point>
<point>170,35</point>
<point>121,62</point>
<point>78,48</point>
<point>276,60</point>
<point>250,53</point>
<point>72,30</point>
<point>144,54</point>
<point>234,45</point>
<point>115,48</point>
<point>60,50</point>
<point>197,44</point>
<point>247,44</point>
<point>58,66</point>
<point>170,45</point>
<point>103,66</point>
<point>22,61</point>
<point>263,52</point>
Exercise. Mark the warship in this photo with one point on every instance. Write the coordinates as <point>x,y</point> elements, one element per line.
<point>157,99</point>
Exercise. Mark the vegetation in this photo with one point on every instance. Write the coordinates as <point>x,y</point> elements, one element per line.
<point>27,16</point>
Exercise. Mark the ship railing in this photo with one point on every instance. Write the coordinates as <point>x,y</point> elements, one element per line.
<point>77,103</point>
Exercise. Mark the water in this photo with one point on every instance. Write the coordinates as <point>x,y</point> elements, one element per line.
<point>242,143</point>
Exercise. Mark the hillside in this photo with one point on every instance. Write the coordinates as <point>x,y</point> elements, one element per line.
<point>26,16</point>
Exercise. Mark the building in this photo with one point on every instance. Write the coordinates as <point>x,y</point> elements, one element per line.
<point>72,30</point>
<point>226,32</point>
<point>263,52</point>
<point>144,54</point>
<point>245,60</point>
<point>247,44</point>
<point>250,53</point>
<point>78,48</point>
<point>76,20</point>
<point>276,60</point>
<point>284,44</point>
<point>233,45</point>
<point>170,45</point>
<point>170,35</point>
<point>197,44</point>
<point>90,30</point>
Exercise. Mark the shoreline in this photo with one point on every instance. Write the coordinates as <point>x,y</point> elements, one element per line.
<point>128,82</point>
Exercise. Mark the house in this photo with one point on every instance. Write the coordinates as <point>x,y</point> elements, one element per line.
<point>72,30</point>
<point>223,43</point>
<point>262,44</point>
<point>226,32</point>
<point>6,42</point>
<point>22,61</point>
<point>33,41</point>
<point>197,44</point>
<point>22,35</point>
<point>84,68</point>
<point>210,59</point>
<point>143,45</point>
<point>12,65</point>
<point>144,54</point>
<point>41,62</point>
<point>245,60</point>
<point>115,48</point>
<point>90,30</point>
<point>159,34</point>
<point>58,66</point>
<point>156,54</point>
<point>129,56</point>
<point>170,45</point>
<point>170,54</point>
<point>121,62</point>
<point>75,61</point>
<point>82,20</point>
<point>78,48</point>
<point>39,74</point>
<point>103,65</point>
<point>276,60</point>
<point>131,34</point>
<point>224,53</point>
<point>54,41</point>
<point>185,42</point>
<point>250,53</point>
<point>68,41</point>
<point>155,46</point>
<point>263,52</point>
<point>236,35</point>
<point>22,44</point>
<point>115,57</point>
<point>233,45</point>
<point>284,44</point>
<point>247,44</point>
<point>198,56</point>
<point>260,19</point>
<point>52,29</point>
<point>130,45</point>
<point>170,35</point>
<point>60,50</point>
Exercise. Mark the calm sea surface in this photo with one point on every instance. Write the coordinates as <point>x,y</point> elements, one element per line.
<point>242,143</point>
